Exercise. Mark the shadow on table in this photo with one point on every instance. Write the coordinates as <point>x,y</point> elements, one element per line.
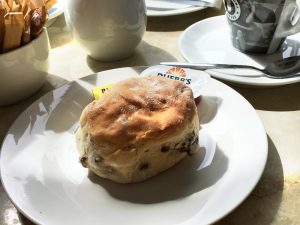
<point>283,98</point>
<point>180,22</point>
<point>262,205</point>
<point>23,220</point>
<point>145,54</point>
<point>59,33</point>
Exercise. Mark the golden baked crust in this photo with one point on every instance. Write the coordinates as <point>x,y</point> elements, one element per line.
<point>138,111</point>
<point>140,128</point>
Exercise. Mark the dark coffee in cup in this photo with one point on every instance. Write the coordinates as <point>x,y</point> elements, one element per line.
<point>257,25</point>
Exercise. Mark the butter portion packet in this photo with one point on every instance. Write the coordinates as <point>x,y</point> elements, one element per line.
<point>195,79</point>
<point>99,91</point>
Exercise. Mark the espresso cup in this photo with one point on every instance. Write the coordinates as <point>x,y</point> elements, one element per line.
<point>261,26</point>
<point>108,30</point>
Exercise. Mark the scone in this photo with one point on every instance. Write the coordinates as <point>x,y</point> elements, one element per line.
<point>139,128</point>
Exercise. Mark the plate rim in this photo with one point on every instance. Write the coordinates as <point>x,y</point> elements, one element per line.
<point>260,172</point>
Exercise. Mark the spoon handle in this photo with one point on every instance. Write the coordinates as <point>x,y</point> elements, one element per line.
<point>204,66</point>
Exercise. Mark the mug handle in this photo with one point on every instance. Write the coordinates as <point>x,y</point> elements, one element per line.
<point>288,24</point>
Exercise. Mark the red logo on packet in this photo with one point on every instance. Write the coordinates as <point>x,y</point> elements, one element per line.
<point>177,71</point>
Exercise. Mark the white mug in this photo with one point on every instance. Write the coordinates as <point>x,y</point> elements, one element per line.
<point>108,30</point>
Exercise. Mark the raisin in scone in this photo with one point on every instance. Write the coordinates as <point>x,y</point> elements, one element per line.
<point>139,128</point>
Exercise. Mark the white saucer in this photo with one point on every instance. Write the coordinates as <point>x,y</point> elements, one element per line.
<point>208,41</point>
<point>168,9</point>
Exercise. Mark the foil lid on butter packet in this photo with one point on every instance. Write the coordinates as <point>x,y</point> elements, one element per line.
<point>195,79</point>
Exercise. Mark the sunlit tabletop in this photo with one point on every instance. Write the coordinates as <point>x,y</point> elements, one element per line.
<point>276,198</point>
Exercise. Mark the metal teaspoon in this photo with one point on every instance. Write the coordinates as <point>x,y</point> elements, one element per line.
<point>280,69</point>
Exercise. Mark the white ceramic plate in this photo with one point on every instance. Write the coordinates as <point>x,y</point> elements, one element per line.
<point>42,176</point>
<point>209,41</point>
<point>56,10</point>
<point>156,8</point>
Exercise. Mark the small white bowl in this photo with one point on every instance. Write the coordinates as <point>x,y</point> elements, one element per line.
<point>24,70</point>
